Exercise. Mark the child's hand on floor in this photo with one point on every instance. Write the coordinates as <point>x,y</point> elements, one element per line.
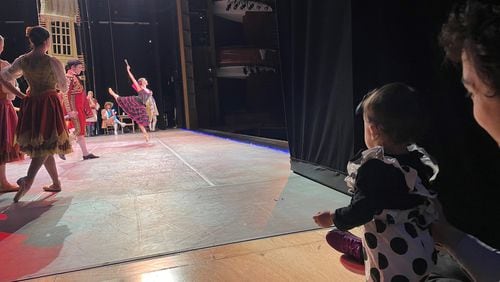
<point>323,219</point>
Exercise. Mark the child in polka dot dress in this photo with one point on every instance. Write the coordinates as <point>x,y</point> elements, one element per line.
<point>389,182</point>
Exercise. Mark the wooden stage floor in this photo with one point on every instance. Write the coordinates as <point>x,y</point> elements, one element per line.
<point>183,203</point>
<point>303,256</point>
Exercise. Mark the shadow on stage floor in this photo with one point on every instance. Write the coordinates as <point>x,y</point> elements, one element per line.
<point>181,191</point>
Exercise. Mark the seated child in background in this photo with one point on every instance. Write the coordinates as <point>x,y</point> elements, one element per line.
<point>109,118</point>
<point>390,183</point>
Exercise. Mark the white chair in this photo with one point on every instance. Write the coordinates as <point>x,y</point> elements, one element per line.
<point>128,122</point>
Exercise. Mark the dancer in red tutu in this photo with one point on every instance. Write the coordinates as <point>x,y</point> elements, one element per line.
<point>41,131</point>
<point>75,99</point>
<point>9,152</point>
<point>135,106</point>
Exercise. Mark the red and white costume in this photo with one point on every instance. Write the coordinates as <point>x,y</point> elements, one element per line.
<point>40,130</point>
<point>75,99</point>
<point>9,151</point>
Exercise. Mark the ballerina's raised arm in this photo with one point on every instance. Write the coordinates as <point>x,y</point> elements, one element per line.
<point>136,85</point>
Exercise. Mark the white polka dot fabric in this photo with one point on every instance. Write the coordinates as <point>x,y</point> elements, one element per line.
<point>397,243</point>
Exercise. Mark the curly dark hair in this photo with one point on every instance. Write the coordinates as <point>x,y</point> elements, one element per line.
<point>395,108</point>
<point>474,27</point>
<point>72,63</point>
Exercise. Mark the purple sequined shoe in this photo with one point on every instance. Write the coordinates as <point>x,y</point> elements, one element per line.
<point>346,243</point>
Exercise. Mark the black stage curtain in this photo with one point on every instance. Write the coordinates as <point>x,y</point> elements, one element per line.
<point>315,45</point>
<point>391,41</point>
<point>143,32</point>
<point>15,16</point>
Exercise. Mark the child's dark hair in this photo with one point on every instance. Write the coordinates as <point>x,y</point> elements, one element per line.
<point>395,109</point>
<point>475,29</point>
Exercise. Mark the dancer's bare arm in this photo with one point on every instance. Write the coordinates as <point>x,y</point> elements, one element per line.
<point>131,75</point>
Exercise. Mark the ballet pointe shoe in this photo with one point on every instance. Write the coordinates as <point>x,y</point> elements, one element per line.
<point>90,156</point>
<point>23,189</point>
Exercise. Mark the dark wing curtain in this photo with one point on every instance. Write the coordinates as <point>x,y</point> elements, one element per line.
<point>315,46</point>
<point>334,51</point>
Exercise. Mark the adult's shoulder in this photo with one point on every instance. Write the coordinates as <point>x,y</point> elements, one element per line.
<point>20,59</point>
<point>144,91</point>
<point>4,63</point>
<point>54,60</point>
<point>56,63</point>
